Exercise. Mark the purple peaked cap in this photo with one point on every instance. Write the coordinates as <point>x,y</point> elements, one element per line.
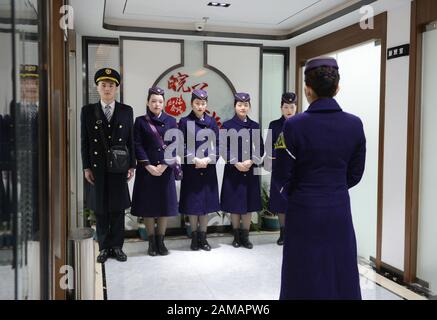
<point>199,94</point>
<point>156,90</point>
<point>289,97</point>
<point>242,97</point>
<point>320,62</point>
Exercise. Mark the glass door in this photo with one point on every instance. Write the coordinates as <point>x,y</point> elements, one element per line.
<point>427,222</point>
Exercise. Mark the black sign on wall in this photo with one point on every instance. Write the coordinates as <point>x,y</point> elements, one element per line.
<point>397,52</point>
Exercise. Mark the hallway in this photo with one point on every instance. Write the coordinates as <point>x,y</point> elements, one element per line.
<point>225,273</point>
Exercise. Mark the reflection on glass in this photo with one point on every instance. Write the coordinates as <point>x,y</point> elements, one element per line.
<point>7,286</point>
<point>23,151</point>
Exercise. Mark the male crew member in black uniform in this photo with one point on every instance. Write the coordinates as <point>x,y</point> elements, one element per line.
<point>107,193</point>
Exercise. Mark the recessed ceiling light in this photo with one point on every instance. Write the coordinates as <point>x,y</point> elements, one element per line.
<point>218,4</point>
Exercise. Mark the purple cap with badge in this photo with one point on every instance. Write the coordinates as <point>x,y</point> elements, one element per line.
<point>242,97</point>
<point>199,94</point>
<point>289,97</point>
<point>156,90</point>
<point>320,62</point>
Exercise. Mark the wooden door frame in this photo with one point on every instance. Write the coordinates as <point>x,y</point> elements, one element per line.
<point>423,12</point>
<point>58,162</point>
<point>340,40</point>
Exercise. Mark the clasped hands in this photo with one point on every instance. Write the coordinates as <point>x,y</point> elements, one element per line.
<point>201,163</point>
<point>156,171</point>
<point>244,166</point>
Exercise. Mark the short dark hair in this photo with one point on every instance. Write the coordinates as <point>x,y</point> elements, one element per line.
<point>323,80</point>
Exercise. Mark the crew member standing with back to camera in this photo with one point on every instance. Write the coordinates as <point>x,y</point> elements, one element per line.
<point>106,134</point>
<point>327,152</point>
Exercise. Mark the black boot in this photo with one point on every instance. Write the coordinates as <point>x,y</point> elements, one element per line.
<point>152,251</point>
<point>245,239</point>
<point>203,243</point>
<point>280,241</point>
<point>194,241</point>
<point>103,256</point>
<point>236,243</point>
<point>162,250</point>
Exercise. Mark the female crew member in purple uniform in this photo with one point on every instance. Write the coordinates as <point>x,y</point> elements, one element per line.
<point>241,188</point>
<point>154,194</point>
<point>277,202</point>
<point>199,186</point>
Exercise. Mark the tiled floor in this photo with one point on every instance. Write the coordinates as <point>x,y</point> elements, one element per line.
<point>225,273</point>
<point>7,283</point>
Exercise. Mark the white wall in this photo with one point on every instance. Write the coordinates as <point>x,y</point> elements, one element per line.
<point>241,65</point>
<point>143,62</point>
<point>395,140</point>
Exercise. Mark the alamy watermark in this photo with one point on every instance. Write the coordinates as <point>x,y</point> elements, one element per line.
<point>231,145</point>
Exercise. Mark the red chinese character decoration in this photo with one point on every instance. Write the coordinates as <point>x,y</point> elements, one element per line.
<point>175,106</point>
<point>177,83</point>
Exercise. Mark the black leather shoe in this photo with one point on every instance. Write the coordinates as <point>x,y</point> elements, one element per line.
<point>236,243</point>
<point>152,251</point>
<point>245,239</point>
<point>103,256</point>
<point>162,250</point>
<point>280,241</point>
<point>194,241</point>
<point>203,243</point>
<point>119,255</point>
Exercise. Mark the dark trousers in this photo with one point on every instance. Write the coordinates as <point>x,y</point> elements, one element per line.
<point>110,230</point>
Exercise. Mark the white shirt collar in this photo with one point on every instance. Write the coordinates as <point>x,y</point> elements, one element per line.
<point>112,104</point>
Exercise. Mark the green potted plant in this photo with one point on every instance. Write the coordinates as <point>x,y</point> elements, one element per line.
<point>91,219</point>
<point>269,221</point>
<point>142,231</point>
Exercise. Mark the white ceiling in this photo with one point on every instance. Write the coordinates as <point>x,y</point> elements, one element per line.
<point>250,16</point>
<point>261,17</point>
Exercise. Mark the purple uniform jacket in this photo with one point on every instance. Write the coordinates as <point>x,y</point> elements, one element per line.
<point>277,201</point>
<point>153,196</point>
<point>199,187</point>
<point>327,150</point>
<point>241,191</point>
